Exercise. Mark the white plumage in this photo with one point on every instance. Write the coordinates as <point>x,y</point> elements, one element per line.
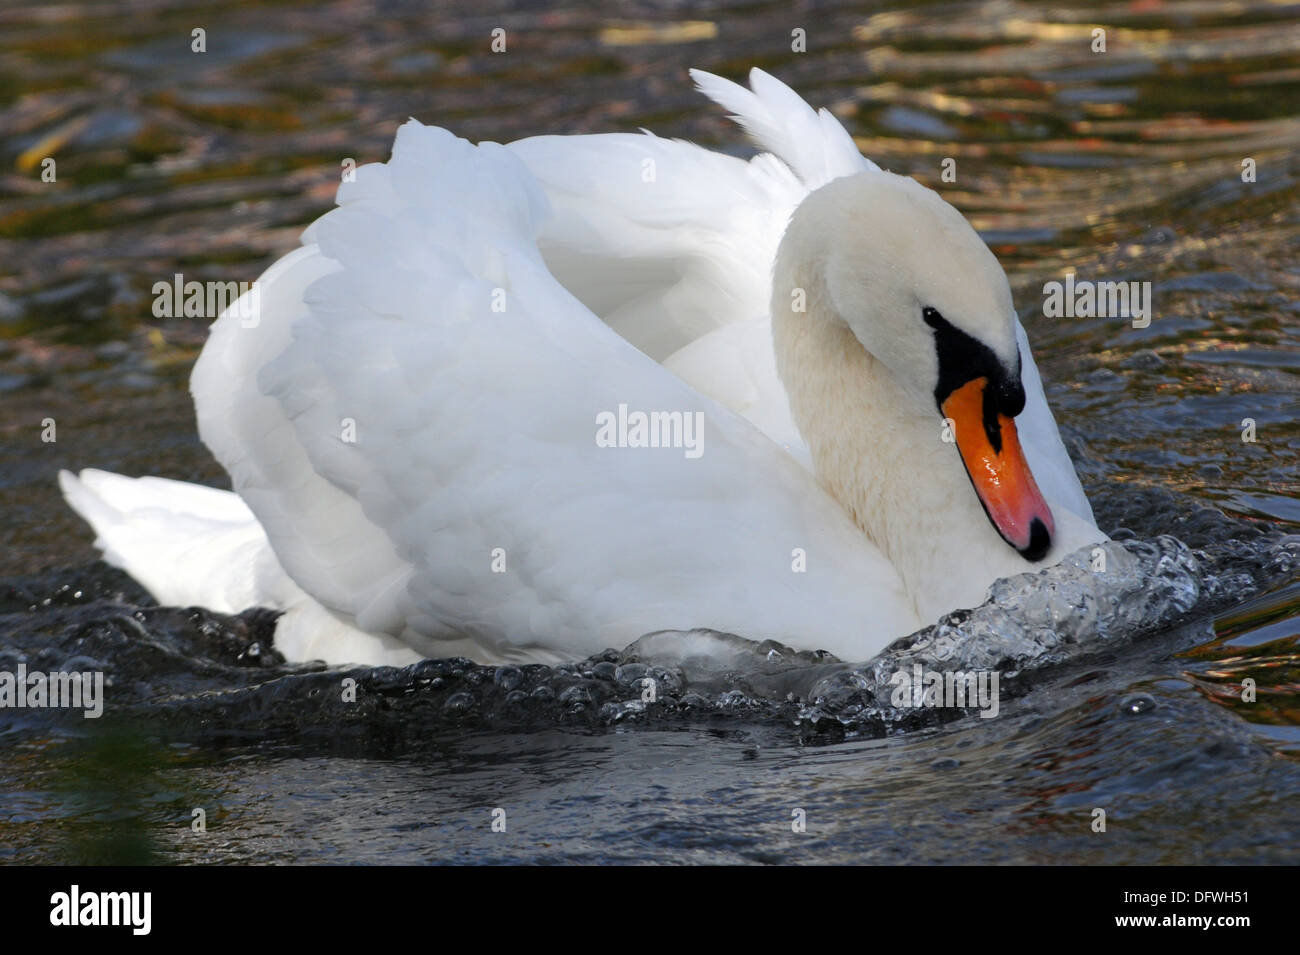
<point>410,426</point>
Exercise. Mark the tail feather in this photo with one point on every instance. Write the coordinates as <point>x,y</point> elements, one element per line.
<point>187,545</point>
<point>195,546</point>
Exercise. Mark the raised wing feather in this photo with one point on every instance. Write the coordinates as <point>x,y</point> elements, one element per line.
<point>812,143</point>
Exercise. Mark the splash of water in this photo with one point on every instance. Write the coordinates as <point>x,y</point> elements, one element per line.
<point>215,675</point>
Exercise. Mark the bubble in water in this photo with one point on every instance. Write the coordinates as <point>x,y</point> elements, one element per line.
<point>459,703</point>
<point>576,696</point>
<point>631,673</point>
<point>508,677</point>
<point>1138,704</point>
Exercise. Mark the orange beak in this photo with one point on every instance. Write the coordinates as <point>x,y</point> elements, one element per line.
<point>990,450</point>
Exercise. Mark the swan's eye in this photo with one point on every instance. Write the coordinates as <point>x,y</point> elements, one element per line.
<point>932,317</point>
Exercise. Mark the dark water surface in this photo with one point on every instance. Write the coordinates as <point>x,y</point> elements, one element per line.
<point>1123,165</point>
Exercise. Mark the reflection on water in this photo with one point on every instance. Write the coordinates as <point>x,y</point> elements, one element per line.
<point>1253,665</point>
<point>1123,165</point>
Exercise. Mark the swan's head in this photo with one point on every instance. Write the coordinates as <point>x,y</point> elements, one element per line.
<point>923,294</point>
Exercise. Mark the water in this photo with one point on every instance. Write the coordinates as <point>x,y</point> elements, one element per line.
<point>1121,692</point>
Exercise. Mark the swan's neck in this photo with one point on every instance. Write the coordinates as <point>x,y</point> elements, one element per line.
<point>881,454</point>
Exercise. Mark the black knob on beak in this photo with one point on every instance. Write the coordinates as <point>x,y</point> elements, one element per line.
<point>1009,394</point>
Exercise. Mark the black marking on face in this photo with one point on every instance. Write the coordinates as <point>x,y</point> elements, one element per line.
<point>963,358</point>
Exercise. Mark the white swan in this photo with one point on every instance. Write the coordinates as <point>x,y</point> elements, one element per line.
<point>414,426</point>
